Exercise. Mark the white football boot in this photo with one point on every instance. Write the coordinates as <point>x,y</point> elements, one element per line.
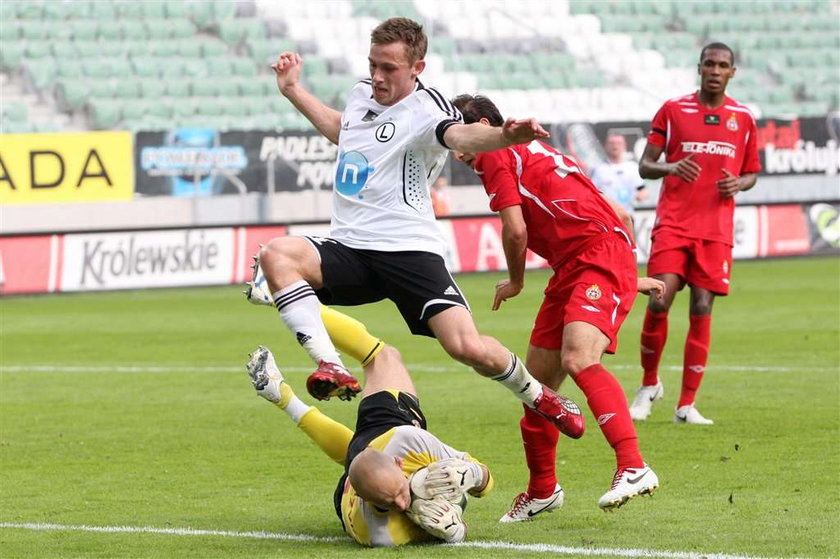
<point>525,507</point>
<point>643,402</point>
<point>265,376</point>
<point>690,415</point>
<point>257,291</point>
<point>629,483</point>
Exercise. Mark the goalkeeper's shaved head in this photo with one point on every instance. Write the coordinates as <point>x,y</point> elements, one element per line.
<point>378,479</point>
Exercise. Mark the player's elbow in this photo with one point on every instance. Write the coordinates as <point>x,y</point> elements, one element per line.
<point>645,171</point>
<point>516,235</point>
<point>456,138</point>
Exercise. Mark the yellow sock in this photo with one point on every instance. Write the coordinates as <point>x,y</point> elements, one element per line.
<point>330,435</point>
<point>286,394</point>
<point>350,336</point>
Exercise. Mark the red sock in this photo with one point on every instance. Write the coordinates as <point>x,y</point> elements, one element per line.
<point>539,436</point>
<point>695,357</point>
<point>609,406</point>
<point>654,335</point>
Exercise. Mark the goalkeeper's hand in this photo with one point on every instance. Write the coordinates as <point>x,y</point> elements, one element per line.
<point>440,518</point>
<point>449,478</point>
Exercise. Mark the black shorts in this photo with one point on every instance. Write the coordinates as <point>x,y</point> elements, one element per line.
<point>417,282</point>
<point>377,414</point>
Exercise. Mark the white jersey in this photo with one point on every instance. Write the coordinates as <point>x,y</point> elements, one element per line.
<point>387,159</point>
<point>619,181</point>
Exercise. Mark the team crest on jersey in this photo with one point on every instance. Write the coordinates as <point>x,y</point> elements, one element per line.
<point>385,132</point>
<point>732,123</point>
<point>593,293</point>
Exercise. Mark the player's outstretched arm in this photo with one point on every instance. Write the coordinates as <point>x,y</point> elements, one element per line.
<point>515,243</point>
<point>476,137</point>
<point>325,119</point>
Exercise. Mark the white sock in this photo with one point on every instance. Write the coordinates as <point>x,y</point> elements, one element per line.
<point>518,380</point>
<point>296,408</point>
<point>300,310</point>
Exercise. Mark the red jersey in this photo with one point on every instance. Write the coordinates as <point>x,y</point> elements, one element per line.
<point>722,138</point>
<point>563,210</point>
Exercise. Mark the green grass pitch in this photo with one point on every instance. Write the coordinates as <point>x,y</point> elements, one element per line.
<point>133,409</point>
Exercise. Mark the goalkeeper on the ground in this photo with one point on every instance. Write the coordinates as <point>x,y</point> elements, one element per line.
<point>401,484</point>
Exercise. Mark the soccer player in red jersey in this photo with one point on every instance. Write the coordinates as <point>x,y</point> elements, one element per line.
<point>549,206</point>
<point>709,140</point>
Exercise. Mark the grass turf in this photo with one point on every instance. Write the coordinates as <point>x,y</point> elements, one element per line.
<point>133,409</point>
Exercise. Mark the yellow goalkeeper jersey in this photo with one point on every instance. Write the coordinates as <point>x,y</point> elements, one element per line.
<point>416,448</point>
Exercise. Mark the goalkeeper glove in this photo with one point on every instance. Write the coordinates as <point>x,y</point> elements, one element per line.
<point>439,517</point>
<point>450,478</point>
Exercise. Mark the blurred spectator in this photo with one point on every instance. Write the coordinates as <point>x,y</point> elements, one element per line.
<point>618,177</point>
<point>440,196</point>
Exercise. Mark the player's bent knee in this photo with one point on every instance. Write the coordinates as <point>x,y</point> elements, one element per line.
<point>660,306</point>
<point>389,355</point>
<point>276,249</point>
<point>286,254</point>
<point>575,361</point>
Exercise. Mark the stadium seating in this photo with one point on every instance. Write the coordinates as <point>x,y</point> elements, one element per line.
<point>128,64</point>
<point>787,53</point>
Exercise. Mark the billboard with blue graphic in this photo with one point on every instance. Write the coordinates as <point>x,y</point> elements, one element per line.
<point>204,161</point>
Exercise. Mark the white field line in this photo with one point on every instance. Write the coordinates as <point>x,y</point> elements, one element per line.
<point>419,368</point>
<point>506,546</point>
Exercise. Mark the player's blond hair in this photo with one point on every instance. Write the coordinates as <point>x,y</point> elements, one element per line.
<point>403,30</point>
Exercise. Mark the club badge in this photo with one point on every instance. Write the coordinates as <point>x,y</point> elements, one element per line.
<point>732,123</point>
<point>593,293</point>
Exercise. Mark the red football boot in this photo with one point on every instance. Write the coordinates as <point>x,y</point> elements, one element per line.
<point>561,411</point>
<point>331,379</point>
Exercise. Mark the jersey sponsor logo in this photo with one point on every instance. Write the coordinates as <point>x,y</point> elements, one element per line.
<point>732,123</point>
<point>593,293</point>
<point>712,148</point>
<point>351,173</point>
<point>711,120</point>
<point>385,132</point>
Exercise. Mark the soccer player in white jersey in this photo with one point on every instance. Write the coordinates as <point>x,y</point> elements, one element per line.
<point>401,484</point>
<point>393,138</point>
<point>618,177</point>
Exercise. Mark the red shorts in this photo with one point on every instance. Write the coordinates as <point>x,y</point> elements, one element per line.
<point>705,264</point>
<point>598,287</point>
